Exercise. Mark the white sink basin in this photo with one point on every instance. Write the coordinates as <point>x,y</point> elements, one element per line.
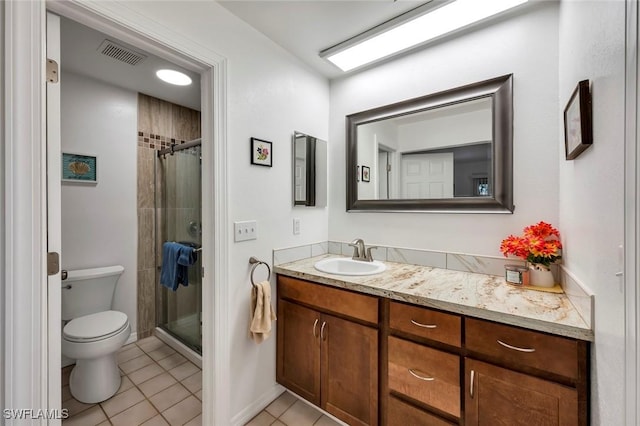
<point>346,266</point>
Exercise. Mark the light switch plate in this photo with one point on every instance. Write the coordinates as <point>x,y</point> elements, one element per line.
<point>245,230</point>
<point>296,225</point>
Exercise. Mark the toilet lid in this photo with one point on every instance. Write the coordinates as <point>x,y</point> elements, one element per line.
<point>95,326</point>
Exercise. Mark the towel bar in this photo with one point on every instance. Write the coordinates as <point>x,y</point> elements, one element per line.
<point>255,262</point>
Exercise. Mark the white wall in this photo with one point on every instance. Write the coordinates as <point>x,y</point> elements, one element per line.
<point>99,222</point>
<point>592,42</point>
<point>442,132</point>
<point>270,95</point>
<point>525,45</point>
<point>2,207</point>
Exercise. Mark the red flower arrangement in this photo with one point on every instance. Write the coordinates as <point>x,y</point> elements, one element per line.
<point>540,244</point>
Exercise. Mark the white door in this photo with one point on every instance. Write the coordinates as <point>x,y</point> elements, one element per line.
<point>427,176</point>
<point>54,233</point>
<point>383,175</point>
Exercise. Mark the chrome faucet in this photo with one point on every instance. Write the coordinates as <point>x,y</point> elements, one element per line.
<point>359,252</point>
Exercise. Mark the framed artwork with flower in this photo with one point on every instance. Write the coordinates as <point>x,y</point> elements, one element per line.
<point>261,152</point>
<point>577,121</point>
<point>365,174</point>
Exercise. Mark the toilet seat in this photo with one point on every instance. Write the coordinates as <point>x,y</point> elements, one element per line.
<point>95,327</point>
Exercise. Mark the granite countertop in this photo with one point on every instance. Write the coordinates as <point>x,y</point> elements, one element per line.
<point>475,295</point>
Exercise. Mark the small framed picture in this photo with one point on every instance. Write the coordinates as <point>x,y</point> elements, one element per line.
<point>79,168</point>
<point>577,121</point>
<point>261,152</point>
<point>365,174</point>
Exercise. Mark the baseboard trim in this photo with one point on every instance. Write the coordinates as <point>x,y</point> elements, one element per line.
<point>257,406</point>
<point>132,338</point>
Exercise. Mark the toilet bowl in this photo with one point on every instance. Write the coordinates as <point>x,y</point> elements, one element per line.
<point>94,333</point>
<point>93,341</point>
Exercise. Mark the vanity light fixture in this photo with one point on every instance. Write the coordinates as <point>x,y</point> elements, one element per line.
<point>422,24</point>
<point>173,77</point>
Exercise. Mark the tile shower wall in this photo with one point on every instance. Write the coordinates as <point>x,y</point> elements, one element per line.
<point>160,124</point>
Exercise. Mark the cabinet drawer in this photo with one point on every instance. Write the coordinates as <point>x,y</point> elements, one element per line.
<point>425,374</point>
<point>343,302</point>
<point>425,322</point>
<point>401,413</point>
<point>515,345</point>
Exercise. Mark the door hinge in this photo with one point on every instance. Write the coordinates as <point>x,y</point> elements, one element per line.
<point>388,167</point>
<point>53,263</point>
<point>52,71</point>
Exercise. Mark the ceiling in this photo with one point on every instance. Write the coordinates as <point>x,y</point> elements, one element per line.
<point>305,27</point>
<point>80,54</point>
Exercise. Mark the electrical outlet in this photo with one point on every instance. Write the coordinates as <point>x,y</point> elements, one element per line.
<point>296,225</point>
<point>246,230</point>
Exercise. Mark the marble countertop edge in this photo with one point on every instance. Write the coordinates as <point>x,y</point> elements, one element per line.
<point>410,285</point>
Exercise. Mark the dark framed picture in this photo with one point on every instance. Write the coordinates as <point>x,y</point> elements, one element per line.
<point>261,152</point>
<point>578,134</point>
<point>365,174</point>
<point>79,168</point>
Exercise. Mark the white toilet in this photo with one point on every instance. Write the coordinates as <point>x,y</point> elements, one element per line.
<point>94,333</point>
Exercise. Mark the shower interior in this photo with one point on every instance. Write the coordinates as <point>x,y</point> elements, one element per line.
<point>179,218</point>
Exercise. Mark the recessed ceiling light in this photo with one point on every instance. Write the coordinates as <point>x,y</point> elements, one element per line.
<point>411,29</point>
<point>174,77</point>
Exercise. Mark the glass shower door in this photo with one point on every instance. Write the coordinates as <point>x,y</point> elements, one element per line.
<point>179,207</point>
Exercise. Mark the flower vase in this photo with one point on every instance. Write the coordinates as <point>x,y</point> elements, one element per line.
<point>540,276</point>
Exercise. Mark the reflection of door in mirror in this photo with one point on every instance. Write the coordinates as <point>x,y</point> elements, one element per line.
<point>461,133</point>
<point>427,176</point>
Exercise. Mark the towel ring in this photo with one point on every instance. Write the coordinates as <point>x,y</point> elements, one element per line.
<point>255,262</point>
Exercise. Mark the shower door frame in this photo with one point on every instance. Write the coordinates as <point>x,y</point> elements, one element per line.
<point>162,293</point>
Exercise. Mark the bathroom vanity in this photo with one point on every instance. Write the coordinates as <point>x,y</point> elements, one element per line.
<point>417,345</point>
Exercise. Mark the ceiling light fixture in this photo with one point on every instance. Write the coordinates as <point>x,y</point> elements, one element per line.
<point>425,23</point>
<point>174,77</point>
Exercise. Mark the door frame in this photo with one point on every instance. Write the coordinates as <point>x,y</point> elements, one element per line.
<point>24,112</point>
<point>631,272</point>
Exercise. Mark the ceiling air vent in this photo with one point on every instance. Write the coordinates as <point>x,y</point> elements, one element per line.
<point>120,53</point>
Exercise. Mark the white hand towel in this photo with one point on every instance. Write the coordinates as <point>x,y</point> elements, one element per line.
<point>261,312</point>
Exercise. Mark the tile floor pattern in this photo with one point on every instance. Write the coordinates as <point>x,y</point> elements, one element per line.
<point>159,387</point>
<point>288,410</point>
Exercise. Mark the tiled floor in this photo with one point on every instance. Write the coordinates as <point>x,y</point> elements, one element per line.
<point>287,410</point>
<point>159,387</point>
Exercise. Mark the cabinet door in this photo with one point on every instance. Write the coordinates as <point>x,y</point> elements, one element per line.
<point>497,396</point>
<point>298,358</point>
<point>350,371</point>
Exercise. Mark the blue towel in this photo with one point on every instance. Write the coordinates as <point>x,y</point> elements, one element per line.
<point>176,258</point>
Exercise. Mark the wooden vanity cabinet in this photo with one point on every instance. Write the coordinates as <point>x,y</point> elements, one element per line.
<point>523,377</point>
<point>423,366</point>
<point>326,352</point>
<point>341,349</point>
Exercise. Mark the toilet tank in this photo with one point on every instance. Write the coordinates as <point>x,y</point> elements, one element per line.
<point>87,291</point>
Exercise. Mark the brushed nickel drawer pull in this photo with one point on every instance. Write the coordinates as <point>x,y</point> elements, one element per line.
<point>473,373</point>
<point>515,348</point>
<point>322,330</point>
<point>315,325</point>
<point>423,325</point>
<point>418,376</point>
